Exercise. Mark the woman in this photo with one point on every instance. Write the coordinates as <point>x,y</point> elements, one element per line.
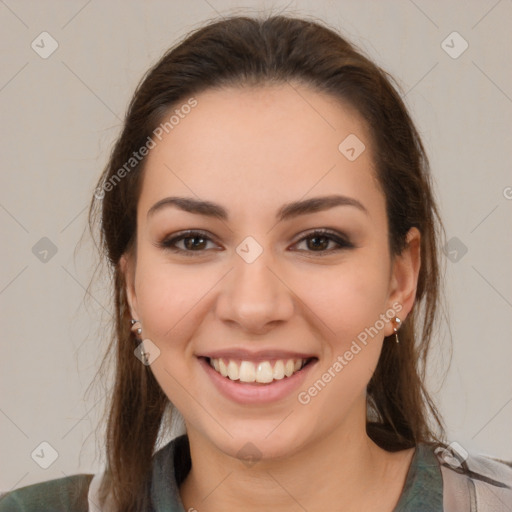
<point>269,218</point>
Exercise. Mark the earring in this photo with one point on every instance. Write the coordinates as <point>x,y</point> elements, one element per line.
<point>137,330</point>
<point>397,322</point>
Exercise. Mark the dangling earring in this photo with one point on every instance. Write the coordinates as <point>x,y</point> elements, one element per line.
<point>135,329</point>
<point>397,322</point>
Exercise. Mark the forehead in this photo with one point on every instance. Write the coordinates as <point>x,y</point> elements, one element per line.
<point>267,144</point>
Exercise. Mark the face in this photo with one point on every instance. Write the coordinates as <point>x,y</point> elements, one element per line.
<point>295,318</point>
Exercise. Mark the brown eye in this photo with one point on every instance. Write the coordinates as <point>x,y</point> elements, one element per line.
<point>193,241</point>
<point>319,240</point>
<point>322,242</point>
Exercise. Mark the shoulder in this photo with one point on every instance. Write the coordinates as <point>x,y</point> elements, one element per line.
<point>473,481</point>
<point>447,477</point>
<point>68,494</point>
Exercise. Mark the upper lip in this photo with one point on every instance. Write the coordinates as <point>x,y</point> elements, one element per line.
<point>258,355</point>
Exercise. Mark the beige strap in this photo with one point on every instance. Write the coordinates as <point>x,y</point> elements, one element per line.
<point>487,489</point>
<point>458,491</point>
<point>93,495</point>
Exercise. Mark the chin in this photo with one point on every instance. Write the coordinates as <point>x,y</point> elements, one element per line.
<point>260,440</point>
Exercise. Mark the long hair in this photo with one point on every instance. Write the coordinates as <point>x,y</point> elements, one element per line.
<point>240,51</point>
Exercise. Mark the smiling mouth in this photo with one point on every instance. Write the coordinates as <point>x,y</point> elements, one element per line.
<point>262,372</point>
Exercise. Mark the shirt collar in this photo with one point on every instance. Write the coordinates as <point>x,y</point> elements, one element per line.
<point>423,489</point>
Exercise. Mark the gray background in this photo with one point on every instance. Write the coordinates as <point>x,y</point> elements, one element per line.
<point>61,114</point>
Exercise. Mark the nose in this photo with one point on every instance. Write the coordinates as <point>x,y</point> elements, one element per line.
<point>255,296</point>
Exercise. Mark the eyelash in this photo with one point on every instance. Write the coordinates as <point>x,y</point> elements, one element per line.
<point>342,242</point>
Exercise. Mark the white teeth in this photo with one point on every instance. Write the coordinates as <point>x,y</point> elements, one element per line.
<point>247,372</point>
<point>265,373</point>
<point>279,370</point>
<point>262,372</point>
<point>233,371</point>
<point>223,369</point>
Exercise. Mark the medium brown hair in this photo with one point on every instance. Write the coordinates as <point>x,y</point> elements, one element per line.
<point>240,51</point>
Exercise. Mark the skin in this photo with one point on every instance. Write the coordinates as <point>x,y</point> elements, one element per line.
<point>251,150</point>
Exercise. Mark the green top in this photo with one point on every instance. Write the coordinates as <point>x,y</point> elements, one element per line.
<point>63,494</point>
<point>423,488</point>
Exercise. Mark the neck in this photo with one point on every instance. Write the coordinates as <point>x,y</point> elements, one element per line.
<point>341,468</point>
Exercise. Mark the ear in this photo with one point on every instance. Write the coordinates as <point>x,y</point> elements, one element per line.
<point>127,267</point>
<point>404,276</point>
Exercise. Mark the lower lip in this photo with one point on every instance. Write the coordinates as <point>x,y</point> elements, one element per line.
<point>250,393</point>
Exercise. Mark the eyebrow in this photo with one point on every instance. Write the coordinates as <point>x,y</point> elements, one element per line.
<point>287,211</point>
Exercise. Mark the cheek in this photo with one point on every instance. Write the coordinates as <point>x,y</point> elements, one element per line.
<point>351,308</point>
<point>347,298</point>
<point>169,297</point>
